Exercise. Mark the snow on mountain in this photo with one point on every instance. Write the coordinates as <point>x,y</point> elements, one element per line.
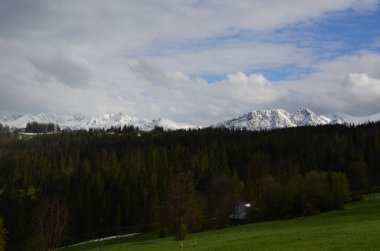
<point>305,117</point>
<point>255,120</point>
<point>342,118</point>
<point>78,121</point>
<point>21,120</point>
<point>5,117</point>
<point>169,124</point>
<point>272,119</point>
<point>259,120</point>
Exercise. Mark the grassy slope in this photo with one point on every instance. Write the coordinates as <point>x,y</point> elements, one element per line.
<point>355,228</point>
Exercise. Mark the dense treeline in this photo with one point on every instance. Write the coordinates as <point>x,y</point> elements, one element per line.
<point>35,127</point>
<point>2,235</point>
<point>106,183</point>
<point>5,135</point>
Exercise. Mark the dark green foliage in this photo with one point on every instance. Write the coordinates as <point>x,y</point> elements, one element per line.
<point>35,127</point>
<point>223,197</point>
<point>194,215</point>
<point>184,207</point>
<point>2,235</point>
<point>275,201</point>
<point>339,190</point>
<point>256,171</point>
<point>315,192</point>
<point>49,224</point>
<point>122,182</point>
<point>307,195</point>
<point>358,176</point>
<point>5,135</point>
<point>180,232</point>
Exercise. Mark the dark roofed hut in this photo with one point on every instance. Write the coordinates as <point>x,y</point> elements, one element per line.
<point>241,213</point>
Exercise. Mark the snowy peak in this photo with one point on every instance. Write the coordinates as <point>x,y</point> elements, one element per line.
<point>260,120</point>
<point>272,119</point>
<point>253,121</point>
<point>78,121</point>
<point>305,117</point>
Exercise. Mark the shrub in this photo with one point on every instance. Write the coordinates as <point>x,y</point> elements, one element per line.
<point>181,232</point>
<point>339,190</point>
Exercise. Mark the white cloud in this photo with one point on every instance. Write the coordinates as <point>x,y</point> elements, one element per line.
<point>156,74</point>
<point>364,87</point>
<point>232,56</point>
<point>145,58</point>
<point>64,68</point>
<point>333,87</point>
<point>203,102</point>
<point>252,89</point>
<point>361,61</point>
<point>337,86</point>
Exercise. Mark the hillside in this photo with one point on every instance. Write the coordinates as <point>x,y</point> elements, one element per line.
<point>108,183</point>
<point>355,228</point>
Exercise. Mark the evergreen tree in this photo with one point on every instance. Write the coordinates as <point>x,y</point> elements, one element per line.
<point>118,181</point>
<point>223,197</point>
<point>2,235</point>
<point>358,177</point>
<point>185,206</point>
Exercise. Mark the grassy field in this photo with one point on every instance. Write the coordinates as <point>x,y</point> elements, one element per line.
<point>355,228</point>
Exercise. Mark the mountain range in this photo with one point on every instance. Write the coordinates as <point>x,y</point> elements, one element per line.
<point>255,120</point>
<point>271,119</point>
<point>78,121</point>
<point>279,118</point>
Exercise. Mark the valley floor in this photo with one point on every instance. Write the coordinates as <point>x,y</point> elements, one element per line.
<point>355,228</point>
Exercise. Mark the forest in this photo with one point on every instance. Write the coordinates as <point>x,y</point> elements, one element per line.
<point>35,127</point>
<point>67,187</point>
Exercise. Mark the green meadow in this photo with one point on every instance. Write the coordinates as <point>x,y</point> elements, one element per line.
<point>357,227</point>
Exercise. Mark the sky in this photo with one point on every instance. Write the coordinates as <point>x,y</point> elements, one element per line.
<point>192,61</point>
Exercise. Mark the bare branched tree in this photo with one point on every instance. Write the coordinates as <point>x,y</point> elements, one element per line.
<point>49,225</point>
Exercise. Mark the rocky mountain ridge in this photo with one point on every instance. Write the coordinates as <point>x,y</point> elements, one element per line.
<point>254,121</point>
<point>279,118</point>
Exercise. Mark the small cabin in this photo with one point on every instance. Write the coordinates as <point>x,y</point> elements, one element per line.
<point>241,213</point>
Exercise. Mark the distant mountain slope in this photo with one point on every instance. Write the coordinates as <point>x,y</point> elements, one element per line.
<point>78,121</point>
<point>253,121</point>
<point>279,118</point>
<point>340,118</point>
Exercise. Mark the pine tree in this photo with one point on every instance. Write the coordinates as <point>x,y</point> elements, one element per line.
<point>2,235</point>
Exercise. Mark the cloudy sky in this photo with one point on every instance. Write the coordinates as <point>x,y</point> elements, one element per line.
<point>194,61</point>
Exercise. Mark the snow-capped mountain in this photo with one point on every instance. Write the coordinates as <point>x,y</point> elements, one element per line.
<point>253,121</point>
<point>78,121</point>
<point>342,118</point>
<point>279,118</point>
<point>272,119</point>
<point>169,124</point>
